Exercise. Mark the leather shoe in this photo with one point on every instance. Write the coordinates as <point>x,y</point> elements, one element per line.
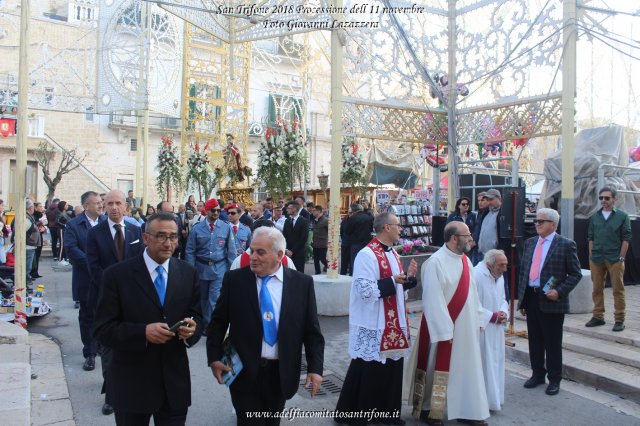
<point>34,276</point>
<point>89,363</point>
<point>107,409</point>
<point>76,305</point>
<point>533,382</point>
<point>473,422</point>
<point>594,322</point>
<point>618,326</point>
<point>553,389</point>
<point>424,417</point>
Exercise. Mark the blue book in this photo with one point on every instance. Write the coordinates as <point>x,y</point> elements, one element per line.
<point>230,359</point>
<point>550,285</point>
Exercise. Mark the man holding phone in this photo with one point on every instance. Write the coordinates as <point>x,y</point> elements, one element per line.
<point>141,299</point>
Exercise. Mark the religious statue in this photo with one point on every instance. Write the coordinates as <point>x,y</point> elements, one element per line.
<point>232,161</point>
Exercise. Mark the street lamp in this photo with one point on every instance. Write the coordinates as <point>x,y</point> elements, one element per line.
<point>323,179</point>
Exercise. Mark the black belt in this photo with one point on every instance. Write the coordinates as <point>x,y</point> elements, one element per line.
<point>264,362</point>
<point>536,289</point>
<point>209,262</point>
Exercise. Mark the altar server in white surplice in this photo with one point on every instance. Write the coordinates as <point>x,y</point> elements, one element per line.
<point>378,330</point>
<point>488,275</point>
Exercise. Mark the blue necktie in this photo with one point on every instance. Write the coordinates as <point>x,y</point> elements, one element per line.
<point>160,283</point>
<point>268,315</point>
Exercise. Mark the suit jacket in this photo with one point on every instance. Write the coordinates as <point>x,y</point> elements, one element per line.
<point>101,252</point>
<point>561,263</point>
<point>238,308</point>
<point>75,244</point>
<point>296,236</point>
<point>358,228</point>
<point>142,373</point>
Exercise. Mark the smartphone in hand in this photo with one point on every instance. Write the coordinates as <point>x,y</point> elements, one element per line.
<point>174,327</point>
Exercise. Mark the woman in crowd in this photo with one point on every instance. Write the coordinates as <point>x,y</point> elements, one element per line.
<point>463,213</point>
<point>191,203</point>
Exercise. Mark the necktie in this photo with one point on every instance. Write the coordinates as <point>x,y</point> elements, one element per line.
<point>119,241</point>
<point>235,229</point>
<point>160,284</point>
<point>268,316</point>
<point>534,272</point>
<point>211,227</point>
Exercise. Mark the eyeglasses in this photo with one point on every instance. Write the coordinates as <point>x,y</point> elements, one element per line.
<point>541,221</point>
<point>232,213</point>
<point>392,224</point>
<point>462,235</point>
<point>163,238</point>
<point>604,198</point>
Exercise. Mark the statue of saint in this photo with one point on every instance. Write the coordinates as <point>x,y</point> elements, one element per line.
<point>232,160</point>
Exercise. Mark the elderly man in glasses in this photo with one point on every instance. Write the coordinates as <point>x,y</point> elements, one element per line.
<point>609,235</point>
<point>211,248</point>
<point>550,269</point>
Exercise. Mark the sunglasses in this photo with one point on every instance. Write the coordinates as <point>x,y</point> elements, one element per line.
<point>232,213</point>
<point>215,210</point>
<point>541,221</point>
<point>604,198</point>
<point>464,204</point>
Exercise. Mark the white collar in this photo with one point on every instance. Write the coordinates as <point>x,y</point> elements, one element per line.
<point>111,223</point>
<point>279,274</point>
<point>152,264</point>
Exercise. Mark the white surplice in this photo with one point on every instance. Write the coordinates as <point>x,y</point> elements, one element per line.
<point>366,308</point>
<point>466,393</point>
<point>492,298</point>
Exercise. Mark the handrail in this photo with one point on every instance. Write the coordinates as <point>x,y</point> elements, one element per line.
<point>95,178</point>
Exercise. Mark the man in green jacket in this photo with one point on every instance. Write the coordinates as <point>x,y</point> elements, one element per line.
<point>609,236</point>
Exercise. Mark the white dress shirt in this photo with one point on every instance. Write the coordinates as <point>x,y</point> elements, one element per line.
<point>113,230</point>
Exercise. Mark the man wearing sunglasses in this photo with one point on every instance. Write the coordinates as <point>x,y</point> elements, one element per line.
<point>241,232</point>
<point>211,248</point>
<point>609,235</point>
<point>550,270</point>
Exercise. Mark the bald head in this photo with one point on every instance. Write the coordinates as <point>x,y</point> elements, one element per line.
<point>115,205</point>
<point>457,237</point>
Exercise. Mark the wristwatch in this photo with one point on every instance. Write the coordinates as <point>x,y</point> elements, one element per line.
<point>621,258</point>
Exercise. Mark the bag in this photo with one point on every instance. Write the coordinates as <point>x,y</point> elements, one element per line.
<point>11,260</point>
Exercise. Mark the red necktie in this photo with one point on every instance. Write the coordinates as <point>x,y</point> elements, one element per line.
<point>235,229</point>
<point>534,272</point>
<point>211,227</point>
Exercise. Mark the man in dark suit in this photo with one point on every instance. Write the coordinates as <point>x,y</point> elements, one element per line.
<point>548,258</point>
<point>140,299</point>
<point>358,230</point>
<point>271,313</point>
<point>75,242</point>
<point>108,243</point>
<point>296,233</point>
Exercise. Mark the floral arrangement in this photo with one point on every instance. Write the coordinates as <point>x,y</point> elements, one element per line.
<point>198,171</point>
<point>283,158</point>
<point>634,154</point>
<point>412,247</point>
<point>168,168</point>
<point>353,168</point>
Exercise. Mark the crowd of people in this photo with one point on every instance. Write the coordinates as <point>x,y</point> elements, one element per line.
<point>148,286</point>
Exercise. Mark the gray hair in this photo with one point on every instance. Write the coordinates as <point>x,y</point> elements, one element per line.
<point>551,214</point>
<point>491,255</point>
<point>29,203</point>
<point>381,220</point>
<point>279,243</point>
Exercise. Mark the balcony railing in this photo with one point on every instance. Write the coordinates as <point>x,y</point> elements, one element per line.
<point>155,123</point>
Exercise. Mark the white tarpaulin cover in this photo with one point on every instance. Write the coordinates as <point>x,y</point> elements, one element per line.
<point>593,147</point>
<point>386,167</point>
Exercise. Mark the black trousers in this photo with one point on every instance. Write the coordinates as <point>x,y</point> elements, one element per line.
<point>165,417</point>
<point>36,262</point>
<point>55,240</point>
<point>345,259</point>
<point>319,256</point>
<point>106,355</point>
<point>545,339</point>
<point>263,395</point>
<point>85,320</point>
<point>299,261</point>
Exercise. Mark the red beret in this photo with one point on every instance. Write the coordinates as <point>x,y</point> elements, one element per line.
<point>232,206</point>
<point>211,204</point>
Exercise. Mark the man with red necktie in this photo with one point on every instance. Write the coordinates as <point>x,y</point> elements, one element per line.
<point>550,270</point>
<point>241,232</point>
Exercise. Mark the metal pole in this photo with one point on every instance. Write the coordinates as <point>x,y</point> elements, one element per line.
<point>20,272</point>
<point>452,172</point>
<point>145,167</point>
<point>337,53</point>
<point>568,117</point>
<point>140,95</point>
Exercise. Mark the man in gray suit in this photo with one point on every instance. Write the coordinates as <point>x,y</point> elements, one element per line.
<point>550,270</point>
